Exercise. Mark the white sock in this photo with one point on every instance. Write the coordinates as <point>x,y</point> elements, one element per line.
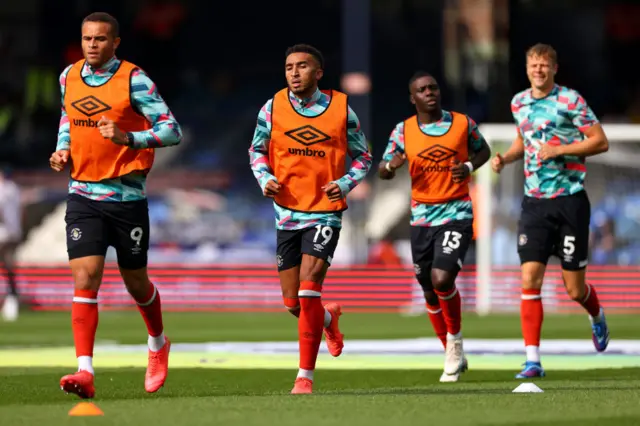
<point>156,343</point>
<point>327,319</point>
<point>533,353</point>
<point>85,363</point>
<point>596,320</point>
<point>307,374</point>
<point>456,336</point>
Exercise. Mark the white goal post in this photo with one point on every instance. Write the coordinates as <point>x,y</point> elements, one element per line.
<point>505,133</point>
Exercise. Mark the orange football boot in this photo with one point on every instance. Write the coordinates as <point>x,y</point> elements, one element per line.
<point>80,383</point>
<point>335,339</point>
<point>157,368</point>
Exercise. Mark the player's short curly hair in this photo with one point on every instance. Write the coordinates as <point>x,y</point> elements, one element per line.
<point>306,48</point>
<point>418,74</point>
<point>543,50</point>
<point>107,19</point>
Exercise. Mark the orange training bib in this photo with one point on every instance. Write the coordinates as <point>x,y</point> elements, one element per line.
<point>94,158</point>
<point>306,153</point>
<point>430,159</point>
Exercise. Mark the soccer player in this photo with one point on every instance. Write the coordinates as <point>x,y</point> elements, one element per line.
<point>298,155</point>
<point>443,148</point>
<point>112,120</point>
<point>556,131</point>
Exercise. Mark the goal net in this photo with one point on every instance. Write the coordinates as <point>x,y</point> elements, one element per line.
<point>613,185</point>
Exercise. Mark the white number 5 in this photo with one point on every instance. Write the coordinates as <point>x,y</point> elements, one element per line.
<point>325,231</point>
<point>569,246</point>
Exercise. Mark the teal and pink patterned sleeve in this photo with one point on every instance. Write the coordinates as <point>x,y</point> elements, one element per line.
<point>145,97</point>
<point>396,142</point>
<point>64,137</point>
<point>579,111</point>
<point>259,149</point>
<point>358,150</point>
<point>476,140</point>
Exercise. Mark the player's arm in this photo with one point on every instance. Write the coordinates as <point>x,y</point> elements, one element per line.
<point>394,156</point>
<point>60,157</point>
<point>479,151</point>
<point>515,151</point>
<point>361,159</point>
<point>146,99</point>
<point>259,152</point>
<point>64,138</point>
<point>588,124</point>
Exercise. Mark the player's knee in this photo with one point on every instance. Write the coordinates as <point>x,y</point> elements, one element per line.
<point>313,271</point>
<point>531,280</point>
<point>137,282</point>
<point>442,280</point>
<point>431,297</point>
<point>576,293</point>
<point>87,278</point>
<point>87,274</point>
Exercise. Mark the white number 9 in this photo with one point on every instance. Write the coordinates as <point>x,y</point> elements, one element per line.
<point>325,231</point>
<point>136,235</point>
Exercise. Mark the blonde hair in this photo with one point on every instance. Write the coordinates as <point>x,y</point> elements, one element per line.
<point>543,50</point>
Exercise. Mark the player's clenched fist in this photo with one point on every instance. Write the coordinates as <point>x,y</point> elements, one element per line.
<point>397,161</point>
<point>459,171</point>
<point>271,189</point>
<point>109,130</point>
<point>333,191</point>
<point>497,163</point>
<point>59,159</point>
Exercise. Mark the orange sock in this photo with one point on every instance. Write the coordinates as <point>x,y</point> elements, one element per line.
<point>310,324</point>
<point>451,305</point>
<point>151,310</point>
<point>591,302</point>
<point>531,316</point>
<point>84,321</point>
<point>293,305</point>
<point>437,321</point>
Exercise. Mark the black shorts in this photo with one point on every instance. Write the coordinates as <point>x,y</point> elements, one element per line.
<point>440,247</point>
<point>555,227</point>
<point>93,226</point>
<point>319,241</point>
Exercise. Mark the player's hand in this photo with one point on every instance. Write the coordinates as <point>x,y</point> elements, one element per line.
<point>333,191</point>
<point>459,171</point>
<point>59,159</point>
<point>272,188</point>
<point>549,152</point>
<point>497,163</point>
<point>397,161</point>
<point>109,130</point>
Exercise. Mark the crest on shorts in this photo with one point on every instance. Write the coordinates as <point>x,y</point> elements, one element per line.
<point>76,234</point>
<point>417,269</point>
<point>279,260</point>
<point>522,239</point>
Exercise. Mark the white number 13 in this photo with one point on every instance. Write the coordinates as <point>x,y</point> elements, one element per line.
<point>325,232</point>
<point>452,239</point>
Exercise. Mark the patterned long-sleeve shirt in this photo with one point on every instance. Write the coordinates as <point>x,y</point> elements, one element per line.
<point>358,151</point>
<point>560,118</point>
<point>437,214</point>
<point>146,99</point>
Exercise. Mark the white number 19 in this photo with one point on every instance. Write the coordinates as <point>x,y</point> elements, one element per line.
<point>325,232</point>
